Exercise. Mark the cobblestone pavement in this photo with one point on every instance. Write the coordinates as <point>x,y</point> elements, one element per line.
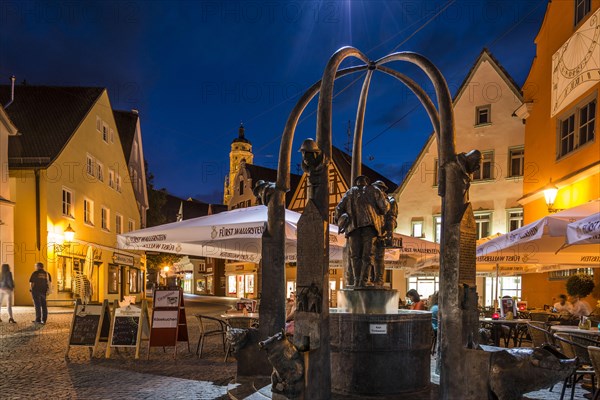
<point>32,366</point>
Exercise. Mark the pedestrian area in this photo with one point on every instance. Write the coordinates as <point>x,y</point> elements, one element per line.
<point>32,365</point>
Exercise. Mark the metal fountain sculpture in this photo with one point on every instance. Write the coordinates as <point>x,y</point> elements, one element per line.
<point>458,297</point>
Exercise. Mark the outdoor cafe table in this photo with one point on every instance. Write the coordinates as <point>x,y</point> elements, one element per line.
<point>253,315</point>
<point>593,331</point>
<point>513,328</point>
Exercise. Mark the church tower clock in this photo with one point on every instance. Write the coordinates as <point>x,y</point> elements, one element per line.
<point>241,149</point>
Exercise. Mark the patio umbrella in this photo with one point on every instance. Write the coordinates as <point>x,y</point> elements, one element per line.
<point>535,246</point>
<point>237,235</point>
<point>584,231</point>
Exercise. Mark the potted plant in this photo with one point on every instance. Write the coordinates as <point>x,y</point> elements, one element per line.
<point>580,285</point>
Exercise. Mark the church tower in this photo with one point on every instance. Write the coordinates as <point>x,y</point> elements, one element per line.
<point>241,149</point>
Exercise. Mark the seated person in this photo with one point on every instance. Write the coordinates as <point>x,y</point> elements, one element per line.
<point>415,298</point>
<point>563,306</point>
<point>580,308</point>
<point>433,307</point>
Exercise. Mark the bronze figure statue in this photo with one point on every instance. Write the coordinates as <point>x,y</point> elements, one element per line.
<point>314,163</point>
<point>364,206</point>
<point>288,366</point>
<point>385,240</point>
<point>262,191</point>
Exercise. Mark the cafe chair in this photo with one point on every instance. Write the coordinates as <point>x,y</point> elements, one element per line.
<point>210,326</point>
<point>571,346</point>
<point>594,352</point>
<point>539,334</point>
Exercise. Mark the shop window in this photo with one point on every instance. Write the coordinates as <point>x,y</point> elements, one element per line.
<point>424,285</point>
<point>582,8</point>
<point>507,286</point>
<point>483,115</point>
<point>249,283</point>
<point>135,280</point>
<point>516,158</point>
<point>485,170</point>
<point>576,128</point>
<point>231,285</point>
<point>113,279</point>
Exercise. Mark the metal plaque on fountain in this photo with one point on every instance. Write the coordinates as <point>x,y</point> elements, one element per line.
<point>467,245</point>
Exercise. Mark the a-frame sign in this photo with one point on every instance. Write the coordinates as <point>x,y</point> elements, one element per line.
<point>168,324</point>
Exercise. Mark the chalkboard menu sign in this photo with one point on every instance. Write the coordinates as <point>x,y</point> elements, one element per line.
<point>125,327</point>
<point>128,326</point>
<point>88,322</point>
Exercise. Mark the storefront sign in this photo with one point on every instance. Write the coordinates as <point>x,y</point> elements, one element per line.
<point>164,319</point>
<point>122,259</point>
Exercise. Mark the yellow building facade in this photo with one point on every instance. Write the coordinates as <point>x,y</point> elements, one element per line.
<point>79,182</point>
<point>562,148</point>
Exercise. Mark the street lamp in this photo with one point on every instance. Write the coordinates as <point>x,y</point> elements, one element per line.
<point>550,191</point>
<point>69,234</point>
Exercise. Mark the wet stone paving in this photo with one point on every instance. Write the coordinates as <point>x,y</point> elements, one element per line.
<point>32,366</point>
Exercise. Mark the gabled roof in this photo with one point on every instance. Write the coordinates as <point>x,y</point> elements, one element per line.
<point>484,55</point>
<point>192,208</point>
<point>270,175</point>
<point>343,162</point>
<point>126,124</point>
<point>46,117</point>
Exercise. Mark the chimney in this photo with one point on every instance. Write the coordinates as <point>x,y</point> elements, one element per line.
<point>12,91</point>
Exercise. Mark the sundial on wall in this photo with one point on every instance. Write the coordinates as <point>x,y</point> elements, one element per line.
<point>576,65</point>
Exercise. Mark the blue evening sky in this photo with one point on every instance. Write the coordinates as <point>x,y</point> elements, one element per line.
<point>196,69</point>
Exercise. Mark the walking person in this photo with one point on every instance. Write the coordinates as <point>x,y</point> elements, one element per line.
<point>40,281</point>
<point>7,288</point>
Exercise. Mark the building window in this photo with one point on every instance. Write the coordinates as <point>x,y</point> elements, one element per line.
<point>88,212</point>
<point>89,165</point>
<point>424,285</point>
<point>437,229</point>
<point>67,203</point>
<point>111,178</point>
<point>567,273</point>
<point>483,222</point>
<point>515,219</point>
<point>105,132</point>
<point>241,187</point>
<point>100,171</point>
<point>417,229</point>
<point>98,124</point>
<point>582,8</point>
<point>105,218</point>
<point>483,115</point>
<point>131,226</point>
<point>112,135</point>
<point>118,182</point>
<point>516,158</point>
<point>507,286</point>
<point>485,171</point>
<point>113,279</point>
<point>119,224</point>
<point>576,128</point>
